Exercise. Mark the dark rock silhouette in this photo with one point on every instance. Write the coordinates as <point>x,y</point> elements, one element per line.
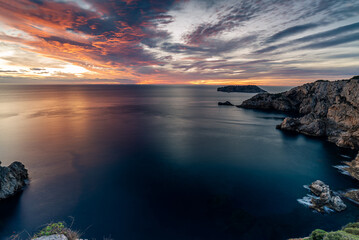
<point>226,103</point>
<point>12,179</point>
<point>241,88</point>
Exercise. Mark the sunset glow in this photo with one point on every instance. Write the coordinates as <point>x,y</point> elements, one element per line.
<point>178,42</point>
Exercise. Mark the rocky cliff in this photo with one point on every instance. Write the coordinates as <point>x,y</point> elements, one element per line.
<point>323,108</point>
<point>12,179</point>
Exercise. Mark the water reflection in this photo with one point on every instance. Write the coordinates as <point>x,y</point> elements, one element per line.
<point>155,162</point>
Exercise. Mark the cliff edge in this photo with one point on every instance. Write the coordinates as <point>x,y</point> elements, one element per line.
<point>323,108</point>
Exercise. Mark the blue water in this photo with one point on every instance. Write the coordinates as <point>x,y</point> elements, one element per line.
<point>161,162</point>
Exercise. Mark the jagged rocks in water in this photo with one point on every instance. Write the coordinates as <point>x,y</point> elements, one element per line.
<point>226,103</point>
<point>12,179</point>
<point>324,197</point>
<point>353,195</point>
<point>353,168</point>
<point>324,108</point>
<point>241,88</point>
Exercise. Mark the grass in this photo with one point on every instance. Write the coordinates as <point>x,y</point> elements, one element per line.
<point>57,228</point>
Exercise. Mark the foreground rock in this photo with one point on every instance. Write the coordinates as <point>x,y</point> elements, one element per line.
<point>242,88</point>
<point>324,197</point>
<point>324,109</point>
<point>226,103</point>
<point>12,179</point>
<point>52,237</point>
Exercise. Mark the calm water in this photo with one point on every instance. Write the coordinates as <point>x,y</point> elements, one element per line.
<point>155,162</point>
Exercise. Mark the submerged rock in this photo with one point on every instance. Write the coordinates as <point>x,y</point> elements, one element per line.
<point>323,108</point>
<point>324,197</point>
<point>226,103</point>
<point>12,179</point>
<point>241,88</point>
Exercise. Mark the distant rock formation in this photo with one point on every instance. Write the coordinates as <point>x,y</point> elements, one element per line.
<point>324,197</point>
<point>12,179</point>
<point>226,103</point>
<point>324,108</point>
<point>241,88</point>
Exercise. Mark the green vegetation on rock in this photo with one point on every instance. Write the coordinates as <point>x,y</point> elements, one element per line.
<point>57,228</point>
<point>318,234</point>
<point>348,232</point>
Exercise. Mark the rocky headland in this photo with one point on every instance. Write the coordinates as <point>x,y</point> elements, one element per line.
<point>323,108</point>
<point>327,109</point>
<point>241,88</point>
<point>12,179</point>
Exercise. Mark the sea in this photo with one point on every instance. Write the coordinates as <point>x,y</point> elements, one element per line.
<point>147,162</point>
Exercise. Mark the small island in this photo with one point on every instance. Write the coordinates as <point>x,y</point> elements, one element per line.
<point>226,103</point>
<point>241,88</point>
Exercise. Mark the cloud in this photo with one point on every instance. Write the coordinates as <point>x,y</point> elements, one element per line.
<point>156,41</point>
<point>37,69</point>
<point>9,71</point>
<point>212,47</point>
<point>291,31</point>
<point>107,36</point>
<point>333,42</point>
<point>228,19</point>
<point>316,37</point>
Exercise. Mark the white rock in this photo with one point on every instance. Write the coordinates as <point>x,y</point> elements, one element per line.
<point>52,237</point>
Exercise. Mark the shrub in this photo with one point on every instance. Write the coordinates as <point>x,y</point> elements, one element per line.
<point>336,236</point>
<point>352,225</point>
<point>318,234</point>
<point>52,228</point>
<point>354,231</point>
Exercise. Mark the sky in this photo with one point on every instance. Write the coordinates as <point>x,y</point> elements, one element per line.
<point>263,42</point>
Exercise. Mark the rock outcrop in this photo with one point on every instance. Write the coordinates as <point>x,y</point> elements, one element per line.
<point>226,103</point>
<point>324,197</point>
<point>323,108</point>
<point>52,237</point>
<point>12,179</point>
<point>353,168</point>
<point>241,88</point>
<point>353,195</point>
